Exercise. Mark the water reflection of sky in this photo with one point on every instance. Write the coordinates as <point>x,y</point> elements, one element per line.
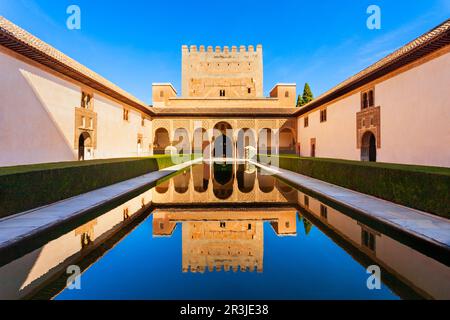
<point>215,218</point>
<point>301,267</point>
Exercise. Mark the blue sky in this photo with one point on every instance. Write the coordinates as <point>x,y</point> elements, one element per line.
<point>136,42</point>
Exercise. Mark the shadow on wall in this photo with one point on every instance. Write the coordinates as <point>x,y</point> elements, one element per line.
<point>34,117</point>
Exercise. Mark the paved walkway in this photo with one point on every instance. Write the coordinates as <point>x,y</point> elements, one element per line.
<point>417,223</point>
<point>23,225</point>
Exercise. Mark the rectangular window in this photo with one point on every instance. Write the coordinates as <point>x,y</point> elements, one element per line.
<point>306,122</point>
<point>86,100</point>
<point>222,93</point>
<point>143,121</point>
<point>313,148</point>
<point>83,100</point>
<point>368,240</point>
<point>368,99</point>
<point>126,114</point>
<point>126,213</point>
<point>323,211</point>
<point>323,115</point>
<point>249,90</point>
<point>306,200</point>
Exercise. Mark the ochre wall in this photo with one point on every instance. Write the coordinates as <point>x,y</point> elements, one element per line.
<point>206,71</point>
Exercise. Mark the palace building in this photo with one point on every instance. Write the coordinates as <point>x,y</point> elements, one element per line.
<point>55,109</point>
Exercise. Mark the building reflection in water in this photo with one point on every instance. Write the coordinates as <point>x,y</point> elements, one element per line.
<point>222,210</point>
<point>26,275</point>
<point>425,276</point>
<point>217,240</point>
<point>223,183</point>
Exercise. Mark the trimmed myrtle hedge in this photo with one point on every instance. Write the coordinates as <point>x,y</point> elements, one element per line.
<point>420,187</point>
<point>26,187</point>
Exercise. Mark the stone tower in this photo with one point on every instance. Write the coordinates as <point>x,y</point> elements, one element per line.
<point>222,72</point>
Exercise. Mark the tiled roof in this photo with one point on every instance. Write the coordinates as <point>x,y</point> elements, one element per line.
<point>22,42</point>
<point>431,41</point>
<point>17,39</point>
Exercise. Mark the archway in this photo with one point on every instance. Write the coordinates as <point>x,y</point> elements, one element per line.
<point>287,141</point>
<point>84,142</point>
<point>223,141</point>
<point>161,141</point>
<point>163,187</point>
<point>181,182</point>
<point>369,147</point>
<point>266,183</point>
<point>265,141</point>
<point>223,180</point>
<point>245,138</point>
<point>200,142</point>
<point>245,179</point>
<point>181,141</point>
<point>201,176</point>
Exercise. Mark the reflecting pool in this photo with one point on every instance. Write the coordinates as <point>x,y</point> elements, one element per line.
<point>217,231</point>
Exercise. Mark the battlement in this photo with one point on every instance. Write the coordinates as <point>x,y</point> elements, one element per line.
<point>222,72</point>
<point>218,49</point>
<point>248,266</point>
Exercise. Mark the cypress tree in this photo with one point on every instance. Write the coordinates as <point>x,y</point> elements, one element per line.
<point>307,94</point>
<point>307,225</point>
<point>300,101</point>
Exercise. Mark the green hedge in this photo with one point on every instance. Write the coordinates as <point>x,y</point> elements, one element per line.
<point>26,187</point>
<point>420,187</point>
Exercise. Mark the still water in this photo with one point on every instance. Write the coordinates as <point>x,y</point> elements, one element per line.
<point>219,231</point>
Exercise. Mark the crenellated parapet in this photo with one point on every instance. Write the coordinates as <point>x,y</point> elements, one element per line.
<point>227,72</point>
<point>219,49</point>
<point>224,266</point>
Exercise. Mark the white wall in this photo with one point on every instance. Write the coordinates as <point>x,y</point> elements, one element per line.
<point>116,137</point>
<point>415,119</point>
<point>335,138</point>
<point>37,118</point>
<point>415,115</point>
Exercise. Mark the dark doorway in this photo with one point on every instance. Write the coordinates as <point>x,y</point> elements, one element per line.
<point>369,147</point>
<point>313,150</point>
<point>83,143</point>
